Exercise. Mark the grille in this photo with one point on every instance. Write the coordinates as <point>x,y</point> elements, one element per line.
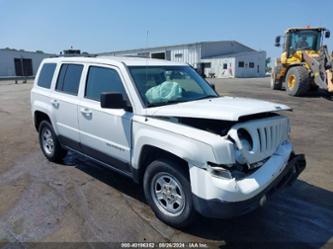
<point>267,134</point>
<point>271,136</point>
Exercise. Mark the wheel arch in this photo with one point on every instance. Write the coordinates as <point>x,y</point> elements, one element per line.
<point>150,153</point>
<point>41,109</point>
<point>294,65</point>
<point>39,116</point>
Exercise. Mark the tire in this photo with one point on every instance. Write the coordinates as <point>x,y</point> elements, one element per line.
<point>160,175</point>
<point>275,84</point>
<point>297,81</point>
<point>49,143</point>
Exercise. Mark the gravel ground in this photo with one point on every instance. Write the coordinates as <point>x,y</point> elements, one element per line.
<point>79,201</point>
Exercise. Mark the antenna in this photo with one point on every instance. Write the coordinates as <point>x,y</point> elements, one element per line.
<point>147,39</point>
<point>146,51</point>
<point>147,44</point>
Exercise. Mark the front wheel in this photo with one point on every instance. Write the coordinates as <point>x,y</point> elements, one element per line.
<point>168,192</point>
<point>297,81</point>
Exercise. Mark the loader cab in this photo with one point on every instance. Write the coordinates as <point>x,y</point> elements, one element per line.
<point>302,39</point>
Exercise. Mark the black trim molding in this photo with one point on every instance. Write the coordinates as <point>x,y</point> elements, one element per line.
<point>99,156</point>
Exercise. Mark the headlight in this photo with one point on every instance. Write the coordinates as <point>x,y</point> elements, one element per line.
<point>245,139</point>
<point>246,142</point>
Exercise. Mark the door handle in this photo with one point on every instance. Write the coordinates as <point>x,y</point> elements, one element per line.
<point>86,111</point>
<point>55,103</point>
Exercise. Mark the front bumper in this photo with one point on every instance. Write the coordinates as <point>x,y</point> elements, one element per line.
<point>217,208</point>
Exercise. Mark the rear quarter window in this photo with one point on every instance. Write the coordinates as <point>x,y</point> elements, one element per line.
<point>46,75</point>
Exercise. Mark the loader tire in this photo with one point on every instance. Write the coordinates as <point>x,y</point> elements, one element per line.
<point>275,84</point>
<point>297,81</point>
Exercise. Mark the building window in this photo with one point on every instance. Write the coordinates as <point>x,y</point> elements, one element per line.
<point>46,75</point>
<point>207,65</point>
<point>168,55</point>
<point>158,55</point>
<point>225,66</point>
<point>178,55</point>
<point>101,79</point>
<point>144,54</point>
<point>251,65</point>
<point>23,67</point>
<point>241,64</point>
<point>69,78</point>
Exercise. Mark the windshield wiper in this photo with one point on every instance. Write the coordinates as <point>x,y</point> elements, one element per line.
<point>206,97</point>
<point>169,102</point>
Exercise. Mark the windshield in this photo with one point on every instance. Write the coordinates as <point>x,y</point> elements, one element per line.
<point>304,40</point>
<point>162,85</point>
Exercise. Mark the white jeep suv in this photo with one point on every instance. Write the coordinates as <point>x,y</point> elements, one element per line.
<point>161,124</point>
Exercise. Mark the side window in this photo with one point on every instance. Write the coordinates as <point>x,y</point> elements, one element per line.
<point>251,65</point>
<point>101,79</point>
<point>69,78</point>
<point>241,64</point>
<point>46,75</point>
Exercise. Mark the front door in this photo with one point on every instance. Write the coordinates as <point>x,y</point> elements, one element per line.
<point>105,134</point>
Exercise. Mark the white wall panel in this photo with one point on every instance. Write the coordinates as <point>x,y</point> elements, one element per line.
<point>7,65</point>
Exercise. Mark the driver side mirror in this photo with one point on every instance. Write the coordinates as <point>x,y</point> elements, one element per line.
<point>327,34</point>
<point>277,41</point>
<point>112,100</point>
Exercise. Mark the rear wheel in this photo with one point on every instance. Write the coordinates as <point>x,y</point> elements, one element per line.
<point>168,192</point>
<point>49,143</point>
<point>275,84</point>
<point>297,81</point>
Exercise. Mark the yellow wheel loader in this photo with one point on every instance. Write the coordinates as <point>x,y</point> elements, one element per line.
<point>305,63</point>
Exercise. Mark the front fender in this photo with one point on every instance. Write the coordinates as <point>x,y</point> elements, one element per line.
<point>169,137</point>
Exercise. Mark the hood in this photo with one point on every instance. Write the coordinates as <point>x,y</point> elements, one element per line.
<point>222,108</point>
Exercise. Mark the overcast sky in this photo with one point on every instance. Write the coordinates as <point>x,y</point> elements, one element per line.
<point>100,26</point>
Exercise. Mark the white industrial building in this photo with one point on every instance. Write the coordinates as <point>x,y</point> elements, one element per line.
<point>19,62</point>
<point>217,58</point>
<point>237,65</point>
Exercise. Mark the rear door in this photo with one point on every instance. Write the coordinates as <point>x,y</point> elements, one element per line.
<point>105,134</point>
<point>64,102</point>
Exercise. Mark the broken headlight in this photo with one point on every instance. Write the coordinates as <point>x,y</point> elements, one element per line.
<point>245,139</point>
<point>246,143</point>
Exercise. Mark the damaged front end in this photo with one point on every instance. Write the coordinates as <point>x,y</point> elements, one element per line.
<point>264,163</point>
<point>255,138</point>
<point>256,141</point>
<point>252,142</point>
